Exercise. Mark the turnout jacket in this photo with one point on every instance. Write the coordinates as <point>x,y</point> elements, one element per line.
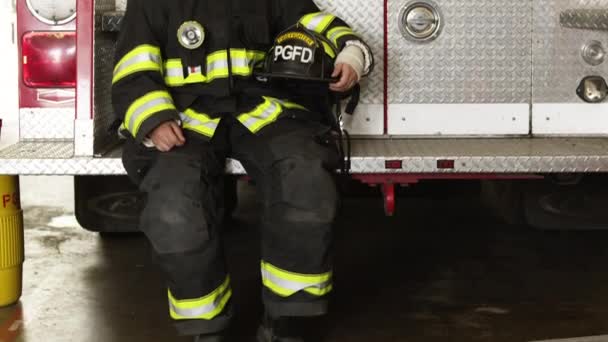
<point>156,79</point>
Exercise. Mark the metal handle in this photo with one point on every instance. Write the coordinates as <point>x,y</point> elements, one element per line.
<point>587,19</point>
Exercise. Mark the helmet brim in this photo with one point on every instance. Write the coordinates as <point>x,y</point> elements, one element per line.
<point>295,77</point>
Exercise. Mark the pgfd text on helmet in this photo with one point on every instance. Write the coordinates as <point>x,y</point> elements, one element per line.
<point>289,52</point>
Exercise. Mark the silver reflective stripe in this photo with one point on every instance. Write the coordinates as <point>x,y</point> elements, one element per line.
<point>255,118</point>
<point>217,65</point>
<point>316,21</point>
<point>139,58</point>
<point>293,285</point>
<point>241,62</point>
<point>194,122</point>
<point>339,32</point>
<point>148,105</point>
<point>174,72</point>
<point>201,310</point>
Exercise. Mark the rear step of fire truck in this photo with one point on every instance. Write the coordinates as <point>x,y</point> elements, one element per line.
<point>369,156</point>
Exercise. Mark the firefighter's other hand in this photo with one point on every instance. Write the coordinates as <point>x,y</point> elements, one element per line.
<point>167,135</point>
<point>348,78</point>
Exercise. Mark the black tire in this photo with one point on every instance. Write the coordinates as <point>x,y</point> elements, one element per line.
<point>550,206</point>
<point>107,204</point>
<point>111,205</point>
<point>569,207</point>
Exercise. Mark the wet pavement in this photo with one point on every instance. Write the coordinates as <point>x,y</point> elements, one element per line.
<point>443,269</point>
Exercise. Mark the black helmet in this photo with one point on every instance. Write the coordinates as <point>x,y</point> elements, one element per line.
<point>299,53</point>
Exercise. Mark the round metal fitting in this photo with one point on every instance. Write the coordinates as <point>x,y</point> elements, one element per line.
<point>420,21</point>
<point>594,53</point>
<point>191,35</point>
<point>52,12</point>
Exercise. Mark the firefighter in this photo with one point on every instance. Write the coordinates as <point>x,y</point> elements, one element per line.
<point>185,92</point>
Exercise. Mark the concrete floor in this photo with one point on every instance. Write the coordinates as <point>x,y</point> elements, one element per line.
<point>442,270</point>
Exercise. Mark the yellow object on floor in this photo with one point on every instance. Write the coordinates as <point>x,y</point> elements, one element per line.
<point>11,241</point>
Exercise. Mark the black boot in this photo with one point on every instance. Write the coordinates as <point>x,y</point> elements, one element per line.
<point>287,329</point>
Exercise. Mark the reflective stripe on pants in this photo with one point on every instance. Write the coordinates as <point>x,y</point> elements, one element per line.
<point>141,58</point>
<point>146,106</point>
<point>266,113</point>
<point>199,122</point>
<point>285,283</point>
<point>207,307</point>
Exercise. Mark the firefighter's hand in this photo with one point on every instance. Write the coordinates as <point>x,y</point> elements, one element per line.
<point>348,78</point>
<point>167,135</point>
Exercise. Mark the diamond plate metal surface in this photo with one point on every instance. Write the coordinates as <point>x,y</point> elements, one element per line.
<point>112,21</point>
<point>589,19</point>
<point>102,105</point>
<point>483,155</point>
<point>46,123</point>
<point>367,19</point>
<point>482,55</point>
<point>369,156</point>
<point>53,158</point>
<point>558,64</point>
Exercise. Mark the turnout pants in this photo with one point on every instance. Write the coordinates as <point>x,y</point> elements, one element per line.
<point>291,162</point>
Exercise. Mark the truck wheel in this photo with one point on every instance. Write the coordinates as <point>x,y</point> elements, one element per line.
<point>571,207</point>
<point>111,205</point>
<point>549,205</point>
<point>107,204</point>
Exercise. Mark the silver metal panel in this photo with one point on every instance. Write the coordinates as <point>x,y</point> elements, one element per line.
<point>53,158</point>
<point>83,138</point>
<point>483,155</point>
<point>57,158</point>
<point>367,19</point>
<point>558,64</point>
<point>369,156</point>
<point>482,56</point>
<point>102,96</point>
<point>46,123</point>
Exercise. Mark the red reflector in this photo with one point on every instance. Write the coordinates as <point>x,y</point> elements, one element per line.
<point>49,59</point>
<point>393,164</point>
<point>446,164</point>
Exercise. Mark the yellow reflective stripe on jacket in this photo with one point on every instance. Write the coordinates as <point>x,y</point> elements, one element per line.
<point>317,22</point>
<point>330,50</point>
<point>146,106</point>
<point>243,61</point>
<point>207,307</point>
<point>199,122</point>
<point>285,283</point>
<point>141,58</point>
<point>266,113</point>
<point>338,32</point>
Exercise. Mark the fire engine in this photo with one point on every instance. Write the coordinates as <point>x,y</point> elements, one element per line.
<point>495,90</point>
